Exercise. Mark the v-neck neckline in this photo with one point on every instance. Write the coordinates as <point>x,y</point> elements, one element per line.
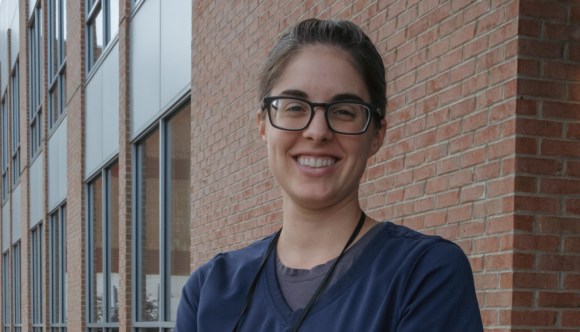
<point>278,301</point>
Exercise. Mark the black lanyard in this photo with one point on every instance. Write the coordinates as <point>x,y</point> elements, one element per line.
<point>320,288</point>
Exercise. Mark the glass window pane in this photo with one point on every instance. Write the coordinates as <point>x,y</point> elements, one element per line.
<point>63,30</point>
<point>6,287</point>
<point>148,260</point>
<point>96,38</point>
<point>17,283</point>
<point>114,241</point>
<point>180,152</point>
<point>113,18</point>
<point>96,222</point>
<point>55,267</point>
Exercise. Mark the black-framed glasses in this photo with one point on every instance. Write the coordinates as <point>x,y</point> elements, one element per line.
<point>343,117</point>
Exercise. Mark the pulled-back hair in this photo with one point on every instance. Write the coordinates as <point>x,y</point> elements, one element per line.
<point>342,34</point>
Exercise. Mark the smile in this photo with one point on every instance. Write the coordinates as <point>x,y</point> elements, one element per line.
<point>316,162</point>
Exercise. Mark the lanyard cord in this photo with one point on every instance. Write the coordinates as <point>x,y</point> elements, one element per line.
<point>320,288</point>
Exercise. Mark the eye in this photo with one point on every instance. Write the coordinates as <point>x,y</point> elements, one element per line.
<point>294,107</point>
<point>345,112</point>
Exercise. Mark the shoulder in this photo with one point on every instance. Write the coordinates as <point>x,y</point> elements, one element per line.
<point>418,252</point>
<point>226,265</point>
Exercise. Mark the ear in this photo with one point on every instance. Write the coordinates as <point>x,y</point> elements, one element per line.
<point>261,120</point>
<point>378,138</point>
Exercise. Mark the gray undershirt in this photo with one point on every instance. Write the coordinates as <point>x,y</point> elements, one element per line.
<point>298,285</point>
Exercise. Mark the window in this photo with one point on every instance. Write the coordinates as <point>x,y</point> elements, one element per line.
<point>56,60</point>
<point>103,250</point>
<point>15,112</point>
<point>102,26</point>
<point>58,272</point>
<point>35,70</point>
<point>6,290</point>
<point>5,152</point>
<point>36,277</point>
<point>16,287</point>
<point>162,221</point>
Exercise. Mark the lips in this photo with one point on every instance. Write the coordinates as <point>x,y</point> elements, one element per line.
<point>316,162</point>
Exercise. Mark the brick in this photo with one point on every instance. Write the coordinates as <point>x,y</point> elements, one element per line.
<point>554,262</point>
<point>543,9</point>
<point>529,67</point>
<point>537,204</point>
<point>573,206</point>
<point>539,128</point>
<point>559,300</point>
<point>527,146</point>
<point>473,157</point>
<point>539,166</point>
<point>573,168</point>
<point>534,317</point>
<point>561,110</point>
<point>500,187</point>
<point>544,243</point>
<point>529,27</point>
<point>498,299</point>
<point>537,88</point>
<point>560,186</point>
<point>572,282</point>
<point>535,280</point>
<point>541,48</point>
<point>447,199</point>
<point>570,318</point>
<point>573,130</point>
<point>561,148</point>
<point>572,244</point>
<point>561,71</point>
<point>525,184</point>
<point>558,31</point>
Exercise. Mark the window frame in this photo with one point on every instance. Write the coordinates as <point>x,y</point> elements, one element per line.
<point>6,292</point>
<point>92,10</point>
<point>57,77</point>
<point>108,324</point>
<point>36,277</point>
<point>5,151</point>
<point>162,125</point>
<point>35,79</point>
<point>17,286</point>
<point>58,270</point>
<point>15,123</point>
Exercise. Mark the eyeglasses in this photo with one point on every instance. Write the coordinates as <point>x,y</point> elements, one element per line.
<point>343,117</point>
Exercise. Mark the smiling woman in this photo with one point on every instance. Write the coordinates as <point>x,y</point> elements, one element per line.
<point>330,267</point>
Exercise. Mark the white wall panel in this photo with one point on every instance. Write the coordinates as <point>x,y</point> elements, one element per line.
<point>36,191</point>
<point>6,226</point>
<point>94,124</point>
<point>16,213</point>
<point>175,49</point>
<point>145,54</point>
<point>57,166</point>
<point>110,111</point>
<point>14,37</point>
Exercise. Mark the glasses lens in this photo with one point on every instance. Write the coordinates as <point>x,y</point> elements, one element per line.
<point>348,118</point>
<point>289,114</point>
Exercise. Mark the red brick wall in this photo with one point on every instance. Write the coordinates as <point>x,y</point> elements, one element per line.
<point>546,279</point>
<point>75,171</point>
<point>464,92</point>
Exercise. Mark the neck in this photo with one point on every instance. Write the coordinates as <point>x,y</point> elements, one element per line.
<point>313,237</point>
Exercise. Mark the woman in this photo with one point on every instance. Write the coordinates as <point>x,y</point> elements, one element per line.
<point>331,267</point>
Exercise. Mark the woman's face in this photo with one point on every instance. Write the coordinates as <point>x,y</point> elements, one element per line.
<point>316,167</point>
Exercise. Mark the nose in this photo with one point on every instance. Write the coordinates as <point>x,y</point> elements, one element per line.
<point>318,129</point>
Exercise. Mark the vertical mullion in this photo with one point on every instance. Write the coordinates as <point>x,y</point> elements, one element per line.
<point>163,217</point>
<point>105,234</point>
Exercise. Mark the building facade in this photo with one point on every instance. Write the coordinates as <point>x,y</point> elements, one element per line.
<point>130,153</point>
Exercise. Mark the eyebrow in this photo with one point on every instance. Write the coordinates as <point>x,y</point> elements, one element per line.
<point>338,97</point>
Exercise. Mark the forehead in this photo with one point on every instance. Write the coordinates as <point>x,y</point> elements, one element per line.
<point>321,72</point>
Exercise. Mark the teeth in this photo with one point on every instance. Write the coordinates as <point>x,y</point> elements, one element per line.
<point>316,162</point>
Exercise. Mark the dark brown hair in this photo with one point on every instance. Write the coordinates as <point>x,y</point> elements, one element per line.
<point>343,34</point>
